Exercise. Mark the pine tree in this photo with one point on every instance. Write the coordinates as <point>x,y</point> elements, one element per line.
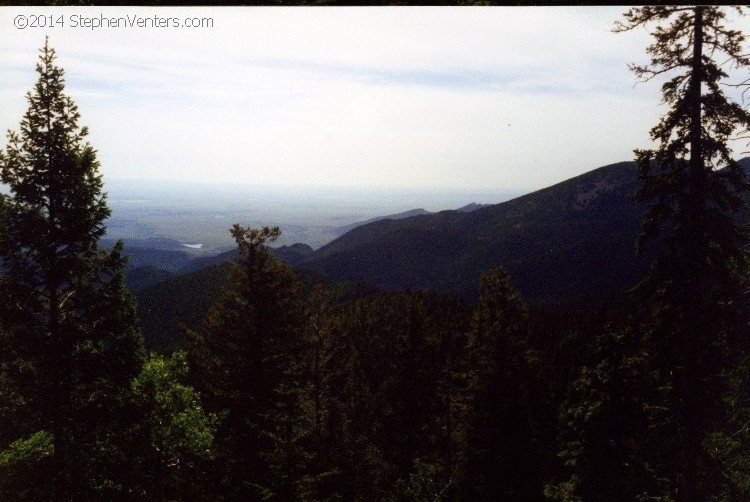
<point>498,449</point>
<point>70,319</point>
<point>328,364</point>
<point>245,360</point>
<point>693,185</point>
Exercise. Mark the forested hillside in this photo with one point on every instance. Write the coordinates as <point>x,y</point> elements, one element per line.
<point>570,244</point>
<point>573,240</point>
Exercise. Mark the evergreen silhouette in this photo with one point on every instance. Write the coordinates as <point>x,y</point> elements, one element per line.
<point>69,321</point>
<point>693,185</point>
<point>498,450</point>
<point>245,360</point>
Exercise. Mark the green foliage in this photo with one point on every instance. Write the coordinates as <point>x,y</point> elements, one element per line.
<point>178,426</point>
<point>70,323</point>
<point>245,362</point>
<point>19,464</point>
<point>729,446</point>
<point>613,425</point>
<point>421,485</point>
<point>178,432</point>
<point>380,393</point>
<point>690,328</point>
<point>27,450</point>
<point>496,381</point>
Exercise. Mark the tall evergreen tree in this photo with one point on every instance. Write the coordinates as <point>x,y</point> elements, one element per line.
<point>693,185</point>
<point>245,359</point>
<point>70,319</point>
<point>499,453</point>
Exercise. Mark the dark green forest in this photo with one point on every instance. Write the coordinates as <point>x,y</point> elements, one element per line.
<point>257,380</point>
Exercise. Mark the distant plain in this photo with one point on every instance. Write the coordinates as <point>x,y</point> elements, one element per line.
<point>199,215</point>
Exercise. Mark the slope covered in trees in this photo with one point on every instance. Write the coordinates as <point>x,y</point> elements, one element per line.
<point>574,240</point>
<point>598,252</point>
<point>571,240</point>
<point>532,235</point>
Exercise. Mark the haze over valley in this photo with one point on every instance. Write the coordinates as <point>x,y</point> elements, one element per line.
<point>199,215</point>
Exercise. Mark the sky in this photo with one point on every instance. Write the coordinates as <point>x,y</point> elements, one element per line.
<point>508,98</point>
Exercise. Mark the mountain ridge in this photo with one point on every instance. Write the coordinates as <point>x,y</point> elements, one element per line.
<point>450,250</point>
<point>572,240</point>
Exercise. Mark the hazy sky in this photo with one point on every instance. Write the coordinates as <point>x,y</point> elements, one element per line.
<point>509,98</point>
